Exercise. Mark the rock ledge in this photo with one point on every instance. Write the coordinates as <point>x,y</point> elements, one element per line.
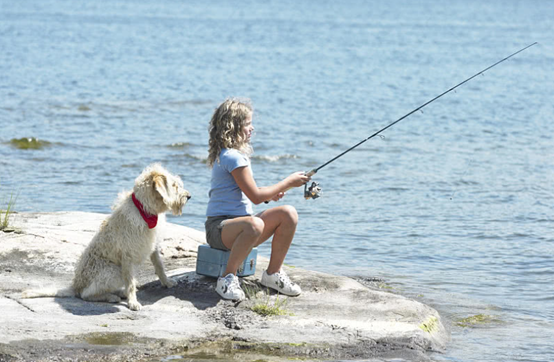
<point>334,318</point>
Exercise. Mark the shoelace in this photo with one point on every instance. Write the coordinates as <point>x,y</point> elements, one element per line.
<point>233,284</point>
<point>285,278</point>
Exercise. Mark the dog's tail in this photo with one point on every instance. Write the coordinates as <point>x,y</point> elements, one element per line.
<point>48,292</point>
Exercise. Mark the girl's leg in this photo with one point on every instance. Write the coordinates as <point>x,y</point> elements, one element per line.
<point>280,222</point>
<point>240,235</point>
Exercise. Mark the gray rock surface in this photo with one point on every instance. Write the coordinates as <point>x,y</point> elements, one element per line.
<point>335,317</point>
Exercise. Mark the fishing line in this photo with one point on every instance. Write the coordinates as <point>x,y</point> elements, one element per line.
<point>313,191</point>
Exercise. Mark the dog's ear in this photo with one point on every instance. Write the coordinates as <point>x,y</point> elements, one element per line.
<point>160,185</point>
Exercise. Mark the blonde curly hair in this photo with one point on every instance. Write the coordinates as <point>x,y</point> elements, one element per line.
<point>226,128</point>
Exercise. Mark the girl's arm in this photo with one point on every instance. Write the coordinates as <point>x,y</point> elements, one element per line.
<point>243,178</point>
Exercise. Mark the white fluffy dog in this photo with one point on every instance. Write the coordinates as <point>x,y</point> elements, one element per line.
<point>105,271</point>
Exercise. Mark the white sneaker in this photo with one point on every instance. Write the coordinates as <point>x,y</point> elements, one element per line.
<point>280,282</point>
<point>229,288</point>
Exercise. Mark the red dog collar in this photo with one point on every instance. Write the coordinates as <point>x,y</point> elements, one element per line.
<point>151,220</point>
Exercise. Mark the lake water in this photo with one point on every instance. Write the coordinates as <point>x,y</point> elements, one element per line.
<point>453,207</point>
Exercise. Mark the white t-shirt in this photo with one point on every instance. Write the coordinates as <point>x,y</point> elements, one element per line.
<point>226,198</point>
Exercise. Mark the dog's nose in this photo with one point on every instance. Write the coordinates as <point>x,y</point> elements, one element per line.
<point>188,197</point>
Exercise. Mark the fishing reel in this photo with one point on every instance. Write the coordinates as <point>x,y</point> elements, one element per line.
<point>313,191</point>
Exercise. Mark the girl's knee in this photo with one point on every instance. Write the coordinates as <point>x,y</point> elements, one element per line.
<point>290,215</point>
<point>255,226</point>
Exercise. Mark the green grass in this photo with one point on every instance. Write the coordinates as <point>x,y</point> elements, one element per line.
<point>265,306</point>
<point>6,214</point>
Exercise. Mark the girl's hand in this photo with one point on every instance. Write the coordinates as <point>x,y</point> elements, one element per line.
<point>298,179</point>
<point>278,197</point>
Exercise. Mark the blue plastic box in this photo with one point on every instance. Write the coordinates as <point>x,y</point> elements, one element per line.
<point>212,262</point>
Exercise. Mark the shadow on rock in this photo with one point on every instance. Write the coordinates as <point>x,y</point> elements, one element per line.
<point>80,307</point>
<point>198,290</point>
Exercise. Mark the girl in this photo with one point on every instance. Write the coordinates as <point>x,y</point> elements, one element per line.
<point>230,223</point>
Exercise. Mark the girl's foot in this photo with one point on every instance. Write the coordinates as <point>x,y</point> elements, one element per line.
<point>228,287</point>
<point>280,282</point>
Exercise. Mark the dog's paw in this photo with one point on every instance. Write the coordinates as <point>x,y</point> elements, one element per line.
<point>134,305</point>
<point>169,283</point>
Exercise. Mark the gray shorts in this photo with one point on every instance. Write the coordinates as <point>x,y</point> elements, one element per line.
<point>213,230</point>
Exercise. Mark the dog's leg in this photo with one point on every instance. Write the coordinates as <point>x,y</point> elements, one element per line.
<point>160,271</point>
<point>127,272</point>
<point>91,294</point>
<point>99,281</point>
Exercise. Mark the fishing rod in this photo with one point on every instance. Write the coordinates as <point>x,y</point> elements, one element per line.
<point>313,191</point>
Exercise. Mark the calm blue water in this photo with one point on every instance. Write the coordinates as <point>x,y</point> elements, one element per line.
<point>453,207</point>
